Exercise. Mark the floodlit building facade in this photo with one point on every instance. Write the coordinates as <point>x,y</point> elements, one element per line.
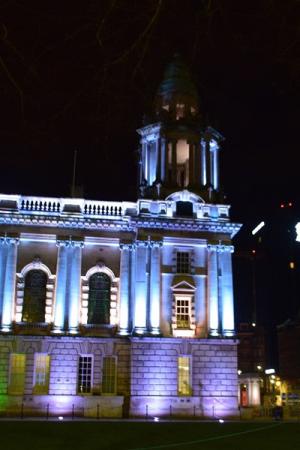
<point>125,308</point>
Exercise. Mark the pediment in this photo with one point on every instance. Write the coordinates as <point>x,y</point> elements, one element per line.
<point>183,283</point>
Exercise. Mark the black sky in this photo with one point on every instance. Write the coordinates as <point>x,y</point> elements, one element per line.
<point>80,75</point>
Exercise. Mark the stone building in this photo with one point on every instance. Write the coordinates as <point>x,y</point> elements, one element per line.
<point>117,308</point>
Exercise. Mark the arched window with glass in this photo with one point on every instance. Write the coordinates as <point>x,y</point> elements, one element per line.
<point>99,299</point>
<point>35,291</point>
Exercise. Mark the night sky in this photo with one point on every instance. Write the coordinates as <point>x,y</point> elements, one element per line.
<point>81,77</point>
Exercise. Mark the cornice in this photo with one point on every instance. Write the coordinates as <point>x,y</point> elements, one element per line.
<point>128,224</point>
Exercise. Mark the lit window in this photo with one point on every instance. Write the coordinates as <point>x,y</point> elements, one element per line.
<point>109,377</point>
<point>180,109</point>
<point>183,313</point>
<point>184,382</point>
<point>41,373</point>
<point>182,262</point>
<point>85,374</point>
<point>34,303</point>
<point>17,373</point>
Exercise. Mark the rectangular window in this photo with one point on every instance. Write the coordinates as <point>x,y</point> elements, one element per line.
<point>109,376</point>
<point>41,373</point>
<point>184,376</point>
<point>17,373</point>
<point>85,374</point>
<point>182,262</point>
<point>183,306</point>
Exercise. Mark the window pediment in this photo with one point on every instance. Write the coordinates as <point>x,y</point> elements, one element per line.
<point>183,283</point>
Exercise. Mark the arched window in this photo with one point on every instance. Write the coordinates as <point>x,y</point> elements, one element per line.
<point>34,302</point>
<point>99,299</point>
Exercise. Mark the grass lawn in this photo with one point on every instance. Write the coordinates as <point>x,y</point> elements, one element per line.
<point>40,435</point>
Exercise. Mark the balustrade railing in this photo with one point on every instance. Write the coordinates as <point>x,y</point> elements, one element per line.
<point>63,206</point>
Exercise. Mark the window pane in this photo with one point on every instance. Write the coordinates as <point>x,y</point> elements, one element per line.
<point>85,374</point>
<point>41,375</point>
<point>17,373</point>
<point>183,262</point>
<point>183,312</point>
<point>184,385</point>
<point>99,299</point>
<point>109,375</point>
<point>34,302</point>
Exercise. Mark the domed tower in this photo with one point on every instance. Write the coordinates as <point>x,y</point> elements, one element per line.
<point>177,153</point>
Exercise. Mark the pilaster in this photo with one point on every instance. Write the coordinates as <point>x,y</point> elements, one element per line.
<point>125,277</point>
<point>141,288</point>
<point>9,260</point>
<point>155,287</point>
<point>213,290</point>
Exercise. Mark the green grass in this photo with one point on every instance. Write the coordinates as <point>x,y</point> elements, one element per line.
<point>40,435</point>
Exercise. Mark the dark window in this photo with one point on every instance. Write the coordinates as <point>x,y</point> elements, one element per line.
<point>99,299</point>
<point>184,209</point>
<point>182,262</point>
<point>34,302</point>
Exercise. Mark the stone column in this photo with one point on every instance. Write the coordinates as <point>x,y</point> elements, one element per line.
<point>158,159</point>
<point>213,290</point>
<point>197,168</point>
<point>155,287</point>
<point>74,283</point>
<point>140,310</point>
<point>208,161</point>
<point>124,289</point>
<point>61,286</point>
<point>215,168</point>
<point>3,248</point>
<point>227,306</point>
<point>9,282</point>
<point>164,158</point>
<point>174,163</point>
<point>203,176</point>
<point>191,164</point>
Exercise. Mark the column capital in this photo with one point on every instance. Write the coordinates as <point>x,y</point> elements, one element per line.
<point>155,244</point>
<point>127,246</point>
<point>69,242</point>
<point>220,248</point>
<point>141,244</point>
<point>7,240</point>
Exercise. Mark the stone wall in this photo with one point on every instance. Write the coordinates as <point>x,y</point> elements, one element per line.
<point>154,375</point>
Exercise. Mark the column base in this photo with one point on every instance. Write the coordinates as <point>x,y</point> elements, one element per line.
<point>73,330</point>
<point>214,332</point>
<point>123,332</point>
<point>6,328</point>
<point>140,331</point>
<point>57,330</point>
<point>228,333</point>
<point>155,331</point>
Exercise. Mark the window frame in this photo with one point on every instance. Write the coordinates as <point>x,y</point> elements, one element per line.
<point>189,392</point>
<point>91,356</point>
<point>114,391</point>
<point>181,264</point>
<point>37,389</point>
<point>12,387</point>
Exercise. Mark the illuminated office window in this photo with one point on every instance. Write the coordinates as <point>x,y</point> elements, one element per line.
<point>41,373</point>
<point>17,373</point>
<point>183,311</point>
<point>109,376</point>
<point>184,381</point>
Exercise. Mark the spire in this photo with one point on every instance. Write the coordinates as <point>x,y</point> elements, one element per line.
<point>177,95</point>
